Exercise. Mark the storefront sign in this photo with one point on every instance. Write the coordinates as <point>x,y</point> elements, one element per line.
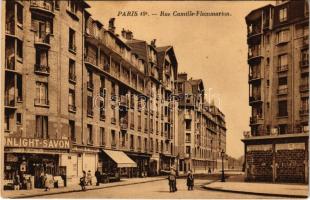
<point>259,147</point>
<point>37,143</point>
<point>290,146</point>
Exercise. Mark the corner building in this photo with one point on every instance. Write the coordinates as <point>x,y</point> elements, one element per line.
<point>276,149</point>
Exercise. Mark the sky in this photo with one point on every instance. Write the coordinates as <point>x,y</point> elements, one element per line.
<point>211,48</point>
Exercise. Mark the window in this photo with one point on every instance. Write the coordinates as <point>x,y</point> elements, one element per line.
<point>139,122</point>
<point>268,61</point>
<point>19,14</point>
<point>42,58</point>
<point>89,78</point>
<point>304,106</point>
<point>41,93</point>
<point>151,145</point>
<point>282,108</point>
<point>72,6</point>
<point>72,46</point>
<point>89,134</point>
<point>71,99</point>
<point>188,150</point>
<point>113,142</point>
<point>18,118</point>
<point>282,36</point>
<point>139,143</point>
<point>19,87</point>
<point>102,136</point>
<point>113,89</point>
<point>131,142</point>
<point>283,129</point>
<point>188,137</point>
<point>72,130</point>
<point>72,76</point>
<point>161,146</point>
<point>89,105</point>
<point>42,127</point>
<point>282,60</point>
<point>188,124</point>
<point>156,147</point>
<point>282,81</point>
<point>57,6</point>
<point>305,56</point>
<point>19,49</point>
<point>102,82</point>
<point>283,14</point>
<point>145,144</point>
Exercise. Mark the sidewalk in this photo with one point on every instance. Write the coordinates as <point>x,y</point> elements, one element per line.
<point>269,189</point>
<point>74,188</point>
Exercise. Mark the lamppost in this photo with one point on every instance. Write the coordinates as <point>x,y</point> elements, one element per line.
<point>223,175</point>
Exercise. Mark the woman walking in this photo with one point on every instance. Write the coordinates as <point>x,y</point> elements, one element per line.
<point>83,181</point>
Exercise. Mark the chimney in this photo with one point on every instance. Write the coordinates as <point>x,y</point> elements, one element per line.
<point>182,76</point>
<point>153,43</point>
<point>129,35</point>
<point>123,33</point>
<point>111,25</point>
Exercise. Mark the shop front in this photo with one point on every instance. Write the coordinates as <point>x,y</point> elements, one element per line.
<point>115,164</point>
<point>26,160</point>
<point>143,163</point>
<point>166,162</point>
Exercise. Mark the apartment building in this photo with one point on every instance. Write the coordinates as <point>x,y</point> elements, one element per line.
<point>79,97</point>
<point>276,149</point>
<point>202,129</point>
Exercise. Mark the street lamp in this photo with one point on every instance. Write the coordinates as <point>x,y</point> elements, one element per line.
<point>223,175</point>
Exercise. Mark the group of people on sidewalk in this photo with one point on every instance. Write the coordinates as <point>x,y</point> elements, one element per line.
<point>173,180</point>
<point>86,179</point>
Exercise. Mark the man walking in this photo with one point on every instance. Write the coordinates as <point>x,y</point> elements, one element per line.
<point>97,175</point>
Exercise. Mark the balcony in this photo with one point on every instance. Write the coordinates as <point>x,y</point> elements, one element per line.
<point>255,99</point>
<point>254,54</point>
<point>282,91</point>
<point>41,69</point>
<point>304,87</point>
<point>304,66</point>
<point>113,120</point>
<point>90,112</point>
<point>102,92</point>
<point>187,116</point>
<point>90,85</point>
<point>102,116</point>
<point>304,111</point>
<point>73,139</point>
<point>305,41</point>
<point>254,77</point>
<point>257,119</point>
<point>72,78</point>
<point>72,108</point>
<point>10,28</point>
<point>41,102</point>
<point>124,124</point>
<point>91,60</point>
<point>132,126</point>
<point>10,63</point>
<point>44,7</point>
<point>254,34</point>
<point>124,101</point>
<point>9,101</point>
<point>282,68</point>
<point>90,142</point>
<point>42,39</point>
<point>72,48</point>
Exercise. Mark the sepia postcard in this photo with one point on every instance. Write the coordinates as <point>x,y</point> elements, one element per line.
<point>154,99</point>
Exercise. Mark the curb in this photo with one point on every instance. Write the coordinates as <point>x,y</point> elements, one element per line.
<point>79,190</point>
<point>254,193</point>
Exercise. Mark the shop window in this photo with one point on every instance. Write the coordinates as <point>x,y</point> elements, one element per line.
<point>19,14</point>
<point>42,127</point>
<point>72,45</point>
<point>18,118</point>
<point>283,14</point>
<point>72,130</point>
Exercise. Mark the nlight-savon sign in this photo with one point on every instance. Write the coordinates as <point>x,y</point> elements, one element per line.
<point>37,143</point>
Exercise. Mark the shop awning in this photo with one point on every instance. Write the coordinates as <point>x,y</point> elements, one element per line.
<point>121,159</point>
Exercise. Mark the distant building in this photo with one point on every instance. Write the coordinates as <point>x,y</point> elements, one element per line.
<point>276,149</point>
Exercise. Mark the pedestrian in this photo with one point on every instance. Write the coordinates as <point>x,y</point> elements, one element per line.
<point>97,175</point>
<point>89,177</point>
<point>172,180</point>
<point>16,181</point>
<point>190,180</point>
<point>46,182</point>
<point>209,170</point>
<point>83,181</point>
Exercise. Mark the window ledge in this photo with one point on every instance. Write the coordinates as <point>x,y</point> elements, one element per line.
<point>73,15</point>
<point>42,105</point>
